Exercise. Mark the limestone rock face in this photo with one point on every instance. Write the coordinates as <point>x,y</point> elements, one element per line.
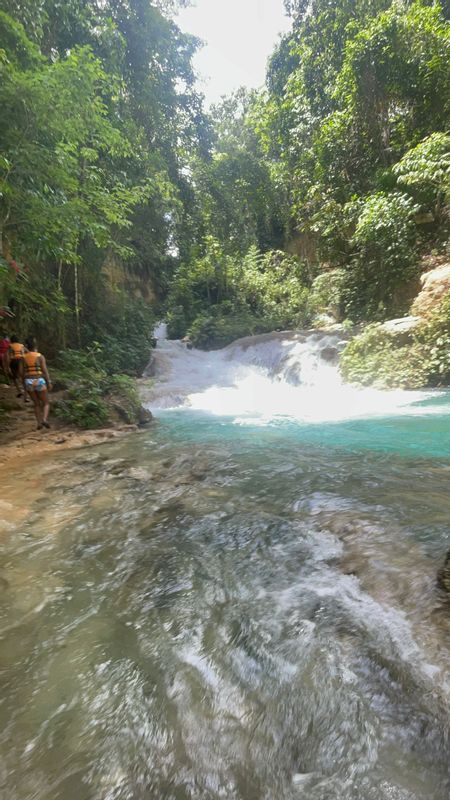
<point>435,284</point>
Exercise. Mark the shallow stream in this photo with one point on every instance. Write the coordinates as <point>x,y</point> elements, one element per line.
<point>238,606</point>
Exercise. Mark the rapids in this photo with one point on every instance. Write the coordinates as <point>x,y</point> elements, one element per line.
<point>272,377</point>
<point>241,601</point>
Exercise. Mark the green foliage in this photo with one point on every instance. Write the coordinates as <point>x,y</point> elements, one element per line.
<point>83,403</point>
<point>98,117</point>
<point>428,162</point>
<point>385,258</point>
<point>219,297</point>
<point>327,292</point>
<point>223,325</point>
<point>425,169</point>
<point>377,358</point>
<point>395,79</point>
<point>122,334</point>
<point>274,286</point>
<point>93,396</point>
<point>109,166</point>
<point>238,200</point>
<point>356,108</point>
<point>84,408</point>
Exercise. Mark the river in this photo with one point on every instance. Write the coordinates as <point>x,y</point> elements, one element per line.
<point>240,602</point>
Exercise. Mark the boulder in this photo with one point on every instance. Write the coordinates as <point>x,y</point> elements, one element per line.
<point>435,285</point>
<point>401,325</point>
<point>145,416</point>
<point>330,354</point>
<point>402,328</point>
<point>123,411</point>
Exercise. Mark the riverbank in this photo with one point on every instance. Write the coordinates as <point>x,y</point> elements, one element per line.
<point>19,437</point>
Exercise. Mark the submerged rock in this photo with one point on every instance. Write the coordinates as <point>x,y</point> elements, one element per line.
<point>89,458</point>
<point>138,474</point>
<point>330,354</point>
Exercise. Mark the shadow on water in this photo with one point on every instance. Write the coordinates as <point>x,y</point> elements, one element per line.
<point>212,610</point>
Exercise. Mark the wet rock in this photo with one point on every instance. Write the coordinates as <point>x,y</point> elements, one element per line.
<point>171,506</point>
<point>330,354</point>
<point>187,470</point>
<point>117,466</point>
<point>123,412</point>
<point>145,416</point>
<point>138,474</point>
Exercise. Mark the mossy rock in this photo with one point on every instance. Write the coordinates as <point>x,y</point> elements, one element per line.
<point>122,399</point>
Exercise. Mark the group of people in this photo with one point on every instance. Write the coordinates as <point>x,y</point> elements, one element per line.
<point>27,368</point>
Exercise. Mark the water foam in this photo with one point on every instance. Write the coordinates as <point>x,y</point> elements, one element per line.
<point>273,376</point>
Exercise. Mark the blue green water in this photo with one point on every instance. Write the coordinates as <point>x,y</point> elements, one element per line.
<point>423,435</point>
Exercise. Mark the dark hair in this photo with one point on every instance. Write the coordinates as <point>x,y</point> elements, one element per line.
<point>31,343</point>
<point>14,339</point>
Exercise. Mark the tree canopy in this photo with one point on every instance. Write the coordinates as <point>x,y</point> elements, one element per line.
<point>118,190</point>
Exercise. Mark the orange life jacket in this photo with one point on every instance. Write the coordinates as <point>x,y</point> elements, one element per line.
<point>32,365</point>
<point>17,350</point>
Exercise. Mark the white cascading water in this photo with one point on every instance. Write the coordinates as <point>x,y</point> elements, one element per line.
<point>292,375</point>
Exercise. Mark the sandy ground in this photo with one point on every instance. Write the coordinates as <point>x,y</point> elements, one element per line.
<point>19,437</point>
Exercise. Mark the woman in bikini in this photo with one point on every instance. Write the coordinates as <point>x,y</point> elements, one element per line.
<point>37,382</point>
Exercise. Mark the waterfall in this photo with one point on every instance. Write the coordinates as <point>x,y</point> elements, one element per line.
<point>292,375</point>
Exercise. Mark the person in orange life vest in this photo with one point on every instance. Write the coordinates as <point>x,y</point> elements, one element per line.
<point>16,351</point>
<point>36,382</point>
<point>4,347</point>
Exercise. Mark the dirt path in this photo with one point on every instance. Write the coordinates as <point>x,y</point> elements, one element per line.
<point>17,420</point>
<point>19,437</point>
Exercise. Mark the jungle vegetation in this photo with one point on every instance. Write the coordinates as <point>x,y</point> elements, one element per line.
<point>122,200</point>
